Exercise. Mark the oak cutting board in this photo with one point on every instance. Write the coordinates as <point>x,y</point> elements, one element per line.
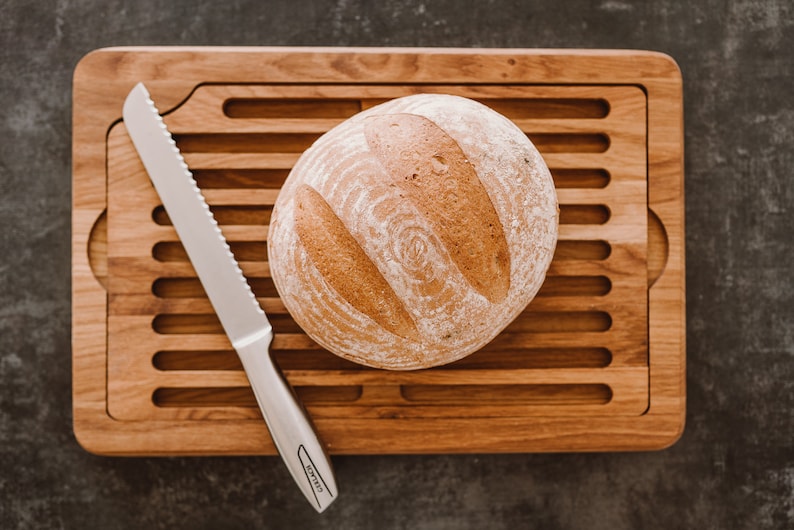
<point>595,363</point>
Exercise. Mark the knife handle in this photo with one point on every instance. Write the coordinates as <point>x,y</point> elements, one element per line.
<point>290,427</point>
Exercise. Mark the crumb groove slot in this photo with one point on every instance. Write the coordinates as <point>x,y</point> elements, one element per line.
<point>317,359</point>
<point>597,394</point>
<point>570,142</point>
<point>286,108</point>
<point>584,214</point>
<point>173,251</point>
<point>575,286</point>
<point>192,288</point>
<point>491,357</point>
<point>226,215</point>
<point>562,321</point>
<point>244,396</point>
<point>567,178</point>
<point>197,360</point>
<point>208,179</point>
<point>550,108</point>
<point>596,250</point>
<point>245,142</point>
<point>208,324</point>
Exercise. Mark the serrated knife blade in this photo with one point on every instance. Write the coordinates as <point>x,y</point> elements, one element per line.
<point>240,314</point>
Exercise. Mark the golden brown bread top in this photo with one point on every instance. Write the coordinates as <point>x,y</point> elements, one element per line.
<point>411,234</point>
<point>349,271</point>
<point>431,169</point>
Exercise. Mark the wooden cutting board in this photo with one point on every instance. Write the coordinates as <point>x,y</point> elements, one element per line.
<point>596,362</point>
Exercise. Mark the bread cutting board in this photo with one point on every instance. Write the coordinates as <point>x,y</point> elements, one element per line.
<point>596,362</point>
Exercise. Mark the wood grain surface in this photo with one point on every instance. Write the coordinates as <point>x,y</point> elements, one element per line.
<point>596,362</point>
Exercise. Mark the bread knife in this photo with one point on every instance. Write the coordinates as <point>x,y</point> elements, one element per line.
<point>240,314</point>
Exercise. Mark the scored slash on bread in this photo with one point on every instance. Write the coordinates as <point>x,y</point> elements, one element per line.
<point>347,269</point>
<point>433,172</point>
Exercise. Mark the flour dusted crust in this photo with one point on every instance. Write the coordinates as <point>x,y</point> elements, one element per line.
<point>410,235</point>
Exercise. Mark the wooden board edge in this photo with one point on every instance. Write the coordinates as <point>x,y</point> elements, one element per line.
<point>191,66</point>
<point>89,299</point>
<point>107,437</point>
<point>667,297</point>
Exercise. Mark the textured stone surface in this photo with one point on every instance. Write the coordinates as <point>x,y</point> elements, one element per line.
<point>733,467</point>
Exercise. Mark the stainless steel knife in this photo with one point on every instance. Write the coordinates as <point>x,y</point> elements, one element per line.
<point>243,320</point>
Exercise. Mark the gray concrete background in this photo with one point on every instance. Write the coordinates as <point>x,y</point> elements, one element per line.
<point>733,467</point>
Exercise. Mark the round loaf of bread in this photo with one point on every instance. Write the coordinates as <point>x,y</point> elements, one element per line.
<point>411,234</point>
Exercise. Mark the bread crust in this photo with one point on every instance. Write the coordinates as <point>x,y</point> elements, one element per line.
<point>431,223</point>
